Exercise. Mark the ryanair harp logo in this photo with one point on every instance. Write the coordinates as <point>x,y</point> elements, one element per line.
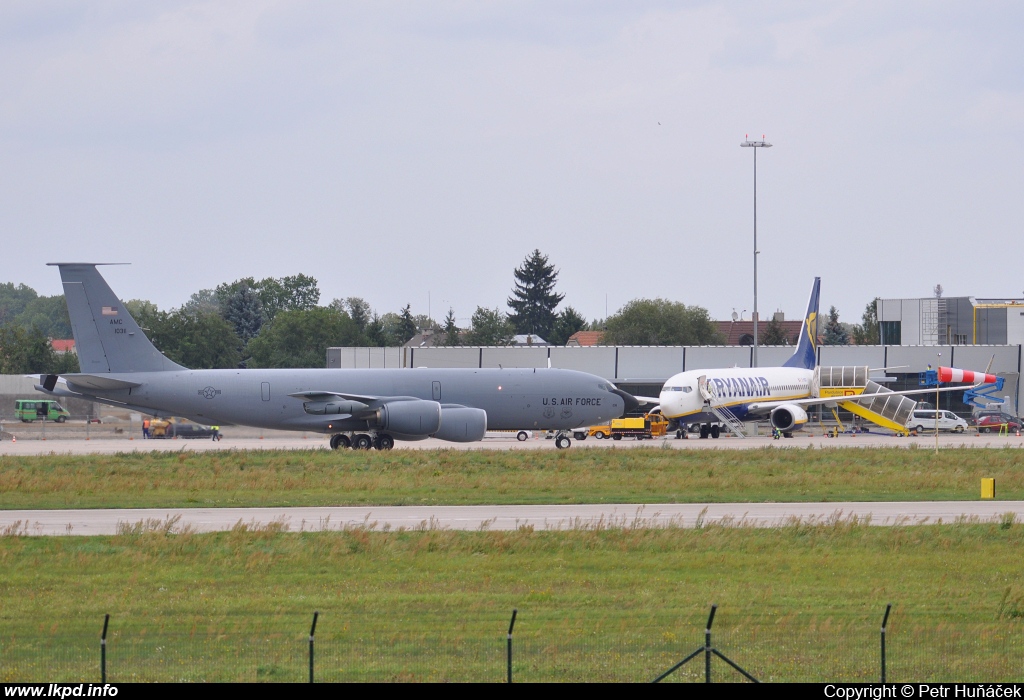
<point>812,328</point>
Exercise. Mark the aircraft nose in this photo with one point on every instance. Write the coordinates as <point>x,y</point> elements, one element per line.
<point>630,404</point>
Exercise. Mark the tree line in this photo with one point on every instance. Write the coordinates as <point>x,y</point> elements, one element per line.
<point>279,322</point>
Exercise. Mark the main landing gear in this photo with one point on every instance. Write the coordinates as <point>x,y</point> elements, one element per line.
<point>362,441</point>
<point>713,430</point>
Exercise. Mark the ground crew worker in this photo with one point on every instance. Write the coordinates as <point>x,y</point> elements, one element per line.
<point>145,429</point>
<point>216,432</point>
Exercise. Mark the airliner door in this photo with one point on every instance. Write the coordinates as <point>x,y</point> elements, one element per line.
<point>437,391</point>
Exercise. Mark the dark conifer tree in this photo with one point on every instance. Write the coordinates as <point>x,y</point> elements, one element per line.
<point>534,299</point>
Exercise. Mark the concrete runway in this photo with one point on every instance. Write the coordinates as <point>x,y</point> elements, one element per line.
<point>546,517</point>
<point>276,440</point>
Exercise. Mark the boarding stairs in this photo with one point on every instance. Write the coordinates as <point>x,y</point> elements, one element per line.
<point>722,413</point>
<point>856,393</point>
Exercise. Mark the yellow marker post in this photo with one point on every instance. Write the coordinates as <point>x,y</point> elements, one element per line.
<point>988,488</point>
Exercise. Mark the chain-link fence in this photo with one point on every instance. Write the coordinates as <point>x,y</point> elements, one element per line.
<point>770,647</point>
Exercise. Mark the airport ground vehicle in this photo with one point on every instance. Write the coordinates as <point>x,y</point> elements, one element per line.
<point>994,422</point>
<point>650,426</point>
<point>924,419</point>
<point>28,410</point>
<point>160,429</point>
<point>520,435</point>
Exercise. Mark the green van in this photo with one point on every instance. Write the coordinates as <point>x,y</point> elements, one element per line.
<point>29,410</point>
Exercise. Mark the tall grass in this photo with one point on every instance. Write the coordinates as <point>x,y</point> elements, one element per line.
<point>265,478</point>
<point>797,602</point>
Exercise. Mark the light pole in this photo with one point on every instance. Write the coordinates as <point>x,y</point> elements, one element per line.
<point>755,145</point>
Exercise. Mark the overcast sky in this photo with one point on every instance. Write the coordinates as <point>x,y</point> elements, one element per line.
<point>421,150</point>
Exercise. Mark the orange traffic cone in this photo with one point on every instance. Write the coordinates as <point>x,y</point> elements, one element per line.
<point>14,438</point>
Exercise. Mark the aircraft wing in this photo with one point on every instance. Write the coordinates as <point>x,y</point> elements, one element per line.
<point>762,407</point>
<point>647,400</point>
<point>369,400</point>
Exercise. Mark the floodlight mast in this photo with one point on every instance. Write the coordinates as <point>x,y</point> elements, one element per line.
<point>755,145</point>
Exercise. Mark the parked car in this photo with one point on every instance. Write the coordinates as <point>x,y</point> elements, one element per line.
<point>994,422</point>
<point>924,419</point>
<point>189,431</point>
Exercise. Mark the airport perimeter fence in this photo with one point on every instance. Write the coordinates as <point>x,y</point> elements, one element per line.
<point>340,647</point>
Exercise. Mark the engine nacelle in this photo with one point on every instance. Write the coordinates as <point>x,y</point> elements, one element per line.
<point>462,424</point>
<point>788,417</point>
<point>412,418</point>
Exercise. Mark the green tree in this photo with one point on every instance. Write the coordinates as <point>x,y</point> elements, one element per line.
<point>451,337</point>
<point>197,340</point>
<point>359,311</point>
<point>205,301</point>
<point>25,351</point>
<point>568,322</point>
<point>301,338</point>
<point>13,300</point>
<point>534,299</point>
<point>244,311</point>
<point>661,322</point>
<point>406,328</point>
<point>867,332</point>
<point>773,333</point>
<point>490,327</point>
<point>835,333</point>
<point>49,315</point>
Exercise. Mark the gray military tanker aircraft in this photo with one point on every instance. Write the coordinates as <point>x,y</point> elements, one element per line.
<point>359,408</point>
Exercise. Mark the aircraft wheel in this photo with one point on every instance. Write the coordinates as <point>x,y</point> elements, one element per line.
<point>563,442</point>
<point>385,442</point>
<point>705,430</point>
<point>521,436</point>
<point>715,431</point>
<point>362,442</point>
<point>788,434</point>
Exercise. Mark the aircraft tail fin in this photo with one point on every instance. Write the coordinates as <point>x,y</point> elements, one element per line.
<point>806,355</point>
<point>107,338</point>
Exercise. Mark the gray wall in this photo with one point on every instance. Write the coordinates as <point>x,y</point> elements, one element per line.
<point>654,365</point>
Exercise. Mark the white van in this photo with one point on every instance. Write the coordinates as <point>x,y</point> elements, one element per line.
<point>924,419</point>
<point>520,435</point>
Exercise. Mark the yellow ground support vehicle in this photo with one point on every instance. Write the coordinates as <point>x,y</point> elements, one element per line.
<point>650,426</point>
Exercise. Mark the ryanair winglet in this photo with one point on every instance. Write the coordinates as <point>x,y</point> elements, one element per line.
<point>806,355</point>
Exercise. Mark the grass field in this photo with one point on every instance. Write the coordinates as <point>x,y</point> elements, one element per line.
<point>796,603</point>
<point>266,478</point>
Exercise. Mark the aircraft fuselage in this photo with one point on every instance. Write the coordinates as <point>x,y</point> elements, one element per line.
<point>544,399</point>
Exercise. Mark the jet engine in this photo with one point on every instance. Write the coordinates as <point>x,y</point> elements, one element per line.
<point>462,424</point>
<point>788,417</point>
<point>413,418</point>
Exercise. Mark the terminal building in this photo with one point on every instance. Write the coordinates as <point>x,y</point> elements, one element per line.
<point>951,321</point>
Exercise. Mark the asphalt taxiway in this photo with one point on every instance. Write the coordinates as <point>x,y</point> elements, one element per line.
<point>537,517</point>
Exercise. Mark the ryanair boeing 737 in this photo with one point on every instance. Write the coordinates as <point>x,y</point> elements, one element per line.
<point>783,394</point>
